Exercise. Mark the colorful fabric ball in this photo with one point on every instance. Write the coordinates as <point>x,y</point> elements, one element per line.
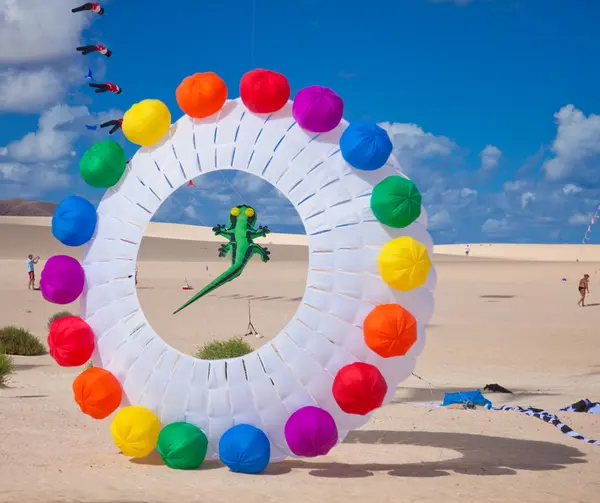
<point>182,446</point>
<point>311,431</point>
<point>390,330</point>
<point>97,392</point>
<point>103,164</point>
<point>62,280</point>
<point>201,95</point>
<point>365,146</point>
<point>71,341</point>
<point>317,109</point>
<point>396,202</point>
<point>245,449</point>
<point>264,91</point>
<point>135,430</point>
<point>359,388</point>
<point>146,122</point>
<point>74,221</point>
<point>404,263</point>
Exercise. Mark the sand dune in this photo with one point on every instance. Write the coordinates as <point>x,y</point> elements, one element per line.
<point>510,322</point>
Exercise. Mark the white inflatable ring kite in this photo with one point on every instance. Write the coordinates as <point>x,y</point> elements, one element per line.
<point>298,367</point>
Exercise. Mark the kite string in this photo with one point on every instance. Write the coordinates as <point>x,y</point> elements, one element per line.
<point>253,34</point>
<point>242,201</point>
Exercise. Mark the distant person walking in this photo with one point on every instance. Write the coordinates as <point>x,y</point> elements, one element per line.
<point>31,271</point>
<point>467,250</point>
<point>584,289</point>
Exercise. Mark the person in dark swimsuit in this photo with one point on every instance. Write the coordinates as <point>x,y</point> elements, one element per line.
<point>584,289</point>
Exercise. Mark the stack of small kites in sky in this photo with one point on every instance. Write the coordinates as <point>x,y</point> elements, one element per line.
<point>114,124</point>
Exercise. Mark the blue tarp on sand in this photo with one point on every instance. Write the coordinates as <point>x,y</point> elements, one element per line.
<point>465,397</point>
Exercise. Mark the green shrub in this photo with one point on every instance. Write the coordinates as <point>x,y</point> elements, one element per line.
<point>219,350</point>
<point>6,367</point>
<point>18,341</point>
<point>57,316</point>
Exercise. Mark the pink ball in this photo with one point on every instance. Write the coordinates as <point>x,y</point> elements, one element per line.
<point>317,109</point>
<point>62,280</point>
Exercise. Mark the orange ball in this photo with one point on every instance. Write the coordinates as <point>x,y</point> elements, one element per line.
<point>390,330</point>
<point>97,392</point>
<point>201,95</point>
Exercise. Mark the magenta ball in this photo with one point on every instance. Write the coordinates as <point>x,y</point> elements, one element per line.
<point>62,280</point>
<point>317,109</point>
<point>310,432</point>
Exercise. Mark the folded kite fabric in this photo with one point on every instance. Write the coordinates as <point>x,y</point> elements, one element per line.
<point>584,405</point>
<point>467,398</point>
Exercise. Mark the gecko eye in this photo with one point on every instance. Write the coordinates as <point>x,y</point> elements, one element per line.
<point>235,212</point>
<point>249,212</point>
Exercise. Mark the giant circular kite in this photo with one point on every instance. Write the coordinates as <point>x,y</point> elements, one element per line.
<point>361,322</point>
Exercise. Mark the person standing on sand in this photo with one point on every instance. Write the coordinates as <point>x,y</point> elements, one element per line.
<point>31,271</point>
<point>467,250</point>
<point>584,288</point>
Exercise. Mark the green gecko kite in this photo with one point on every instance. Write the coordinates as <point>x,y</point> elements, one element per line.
<point>241,234</point>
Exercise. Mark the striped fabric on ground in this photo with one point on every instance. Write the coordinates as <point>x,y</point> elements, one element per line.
<point>552,419</point>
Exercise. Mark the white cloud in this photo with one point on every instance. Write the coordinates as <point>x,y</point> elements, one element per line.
<point>411,142</point>
<point>490,158</point>
<point>570,188</point>
<point>526,198</point>
<point>580,219</point>
<point>515,185</point>
<point>58,129</point>
<point>49,142</point>
<point>39,30</point>
<point>34,90</point>
<point>495,227</point>
<point>577,142</point>
<point>440,221</point>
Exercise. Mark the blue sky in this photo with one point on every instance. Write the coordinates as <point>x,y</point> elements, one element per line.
<point>492,105</point>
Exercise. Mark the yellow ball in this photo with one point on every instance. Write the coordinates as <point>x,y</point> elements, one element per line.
<point>146,122</point>
<point>404,263</point>
<point>135,431</point>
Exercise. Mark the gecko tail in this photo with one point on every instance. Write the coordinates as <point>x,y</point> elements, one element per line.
<point>228,275</point>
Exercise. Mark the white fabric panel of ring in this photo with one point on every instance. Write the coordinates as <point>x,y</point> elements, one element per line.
<point>298,366</point>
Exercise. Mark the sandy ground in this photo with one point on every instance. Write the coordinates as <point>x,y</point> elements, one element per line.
<point>512,322</point>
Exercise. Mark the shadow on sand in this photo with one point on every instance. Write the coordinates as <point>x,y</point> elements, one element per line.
<point>480,455</point>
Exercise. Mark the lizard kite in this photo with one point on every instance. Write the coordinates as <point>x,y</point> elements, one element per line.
<point>241,233</point>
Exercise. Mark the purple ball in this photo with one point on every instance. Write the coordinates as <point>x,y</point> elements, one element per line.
<point>317,109</point>
<point>62,279</point>
<point>311,431</point>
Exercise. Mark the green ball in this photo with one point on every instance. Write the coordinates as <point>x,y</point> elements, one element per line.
<point>103,164</point>
<point>182,446</point>
<point>396,202</point>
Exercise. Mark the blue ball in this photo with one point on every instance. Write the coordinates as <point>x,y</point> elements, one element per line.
<point>74,221</point>
<point>365,146</point>
<point>245,449</point>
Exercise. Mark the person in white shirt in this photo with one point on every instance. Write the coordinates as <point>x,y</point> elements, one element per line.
<point>467,250</point>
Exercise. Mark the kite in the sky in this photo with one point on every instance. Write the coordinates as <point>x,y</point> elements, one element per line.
<point>91,6</point>
<point>89,75</point>
<point>191,184</point>
<point>106,87</point>
<point>115,123</point>
<point>241,234</point>
<point>88,49</point>
<point>91,128</point>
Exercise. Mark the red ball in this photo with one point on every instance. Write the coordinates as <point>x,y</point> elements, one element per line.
<point>71,341</point>
<point>264,91</point>
<point>359,388</point>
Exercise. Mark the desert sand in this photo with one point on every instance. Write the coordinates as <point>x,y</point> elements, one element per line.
<point>512,322</point>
